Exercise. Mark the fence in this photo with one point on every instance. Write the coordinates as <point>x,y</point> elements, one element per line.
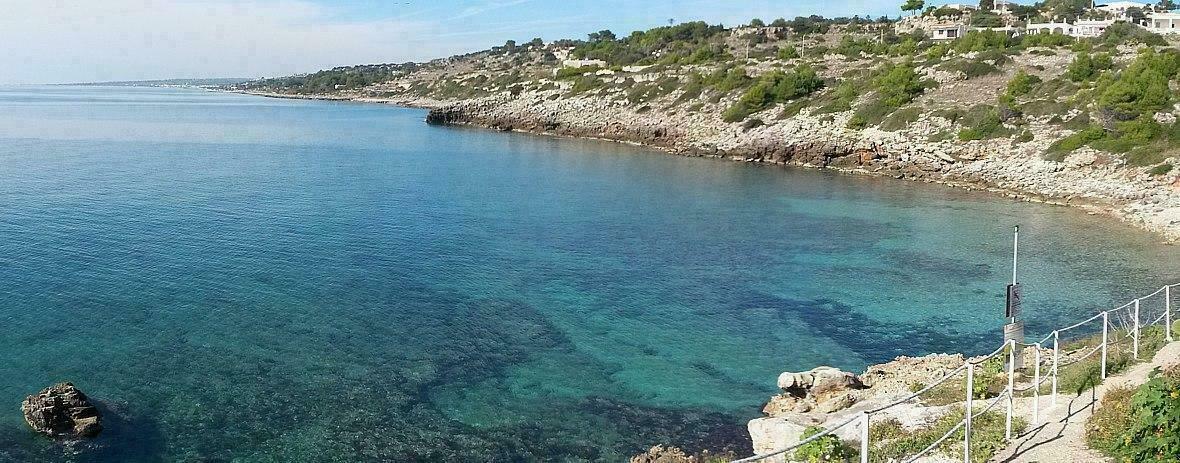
<point>1126,316</point>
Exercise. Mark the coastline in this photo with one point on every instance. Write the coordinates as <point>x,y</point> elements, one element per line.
<point>872,158</point>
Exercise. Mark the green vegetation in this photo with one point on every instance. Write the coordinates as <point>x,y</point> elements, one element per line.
<point>774,87</point>
<point>686,43</point>
<point>1128,100</point>
<point>896,86</point>
<point>901,119</point>
<point>344,78</point>
<point>1160,169</point>
<point>1086,67</point>
<point>899,85</point>
<point>1022,84</point>
<point>893,442</point>
<point>1141,425</point>
<point>824,449</point>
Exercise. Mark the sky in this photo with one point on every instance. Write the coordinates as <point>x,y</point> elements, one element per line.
<point>60,41</point>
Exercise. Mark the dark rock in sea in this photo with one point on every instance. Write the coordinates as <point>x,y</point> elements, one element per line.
<point>63,411</point>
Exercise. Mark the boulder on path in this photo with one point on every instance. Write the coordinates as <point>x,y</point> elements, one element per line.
<point>62,411</point>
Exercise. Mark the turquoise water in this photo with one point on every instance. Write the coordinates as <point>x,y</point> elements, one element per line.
<point>247,279</point>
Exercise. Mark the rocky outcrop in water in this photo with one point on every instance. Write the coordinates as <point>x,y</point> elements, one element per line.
<point>62,411</point>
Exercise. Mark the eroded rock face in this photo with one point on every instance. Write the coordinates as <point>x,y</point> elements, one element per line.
<point>823,389</point>
<point>62,410</point>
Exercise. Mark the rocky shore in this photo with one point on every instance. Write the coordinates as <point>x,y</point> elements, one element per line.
<point>1086,178</point>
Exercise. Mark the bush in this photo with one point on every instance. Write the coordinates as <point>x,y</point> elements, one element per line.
<point>1154,432</point>
<point>899,85</point>
<point>788,53</point>
<point>570,73</point>
<point>1121,33</point>
<point>1143,86</point>
<point>774,87</point>
<point>828,448</point>
<point>1061,148</point>
<point>1105,427</point>
<point>971,68</point>
<point>1086,67</point>
<point>901,119</point>
<point>1022,84</point>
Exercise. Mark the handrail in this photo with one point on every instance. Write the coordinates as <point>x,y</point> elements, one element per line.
<point>920,392</point>
<point>1008,394</point>
<point>798,444</point>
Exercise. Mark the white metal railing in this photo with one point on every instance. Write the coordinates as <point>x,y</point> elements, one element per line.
<point>1128,317</point>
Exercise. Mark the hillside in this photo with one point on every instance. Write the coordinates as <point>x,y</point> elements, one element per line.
<point>1088,122</point>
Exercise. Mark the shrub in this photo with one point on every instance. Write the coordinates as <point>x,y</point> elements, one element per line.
<point>840,99</point>
<point>1143,86</point>
<point>1154,432</point>
<point>1121,32</point>
<point>899,85</point>
<point>901,119</point>
<point>569,73</point>
<point>1086,67</point>
<point>1105,427</point>
<point>971,68</point>
<point>774,87</point>
<point>828,448</point>
<point>1061,148</point>
<point>788,52</point>
<point>1022,83</point>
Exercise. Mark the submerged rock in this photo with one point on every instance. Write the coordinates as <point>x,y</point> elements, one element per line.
<point>62,410</point>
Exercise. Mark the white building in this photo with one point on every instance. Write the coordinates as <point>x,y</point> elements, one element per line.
<point>948,31</point>
<point>1090,28</point>
<point>1163,23</point>
<point>961,6</point>
<point>1119,9</point>
<point>1050,28</point>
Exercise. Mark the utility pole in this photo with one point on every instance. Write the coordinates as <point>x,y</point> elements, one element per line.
<point>1014,328</point>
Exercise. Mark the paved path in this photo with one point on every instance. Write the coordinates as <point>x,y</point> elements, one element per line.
<point>1061,436</point>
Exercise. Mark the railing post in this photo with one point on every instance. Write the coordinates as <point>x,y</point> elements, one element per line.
<point>1105,324</point>
<point>1011,378</point>
<point>1135,341</point>
<point>864,438</point>
<point>1168,313</point>
<point>1056,356</point>
<point>1037,384</point>
<point>969,411</point>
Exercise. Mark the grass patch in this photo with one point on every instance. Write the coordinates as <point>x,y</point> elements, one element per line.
<point>901,119</point>
<point>1038,108</point>
<point>1160,169</point>
<point>970,68</point>
<point>892,442</point>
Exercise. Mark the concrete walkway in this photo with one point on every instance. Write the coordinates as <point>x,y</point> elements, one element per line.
<point>1061,435</point>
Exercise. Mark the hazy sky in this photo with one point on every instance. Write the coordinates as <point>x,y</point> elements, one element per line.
<point>52,41</point>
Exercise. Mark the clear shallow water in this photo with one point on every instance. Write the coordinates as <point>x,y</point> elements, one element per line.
<point>247,279</point>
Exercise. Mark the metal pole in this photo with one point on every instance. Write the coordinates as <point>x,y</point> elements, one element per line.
<point>969,412</point>
<point>1015,246</point>
<point>1011,377</point>
<point>1135,341</point>
<point>864,438</point>
<point>1168,312</point>
<point>1105,324</point>
<point>1056,355</point>
<point>1037,384</point>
